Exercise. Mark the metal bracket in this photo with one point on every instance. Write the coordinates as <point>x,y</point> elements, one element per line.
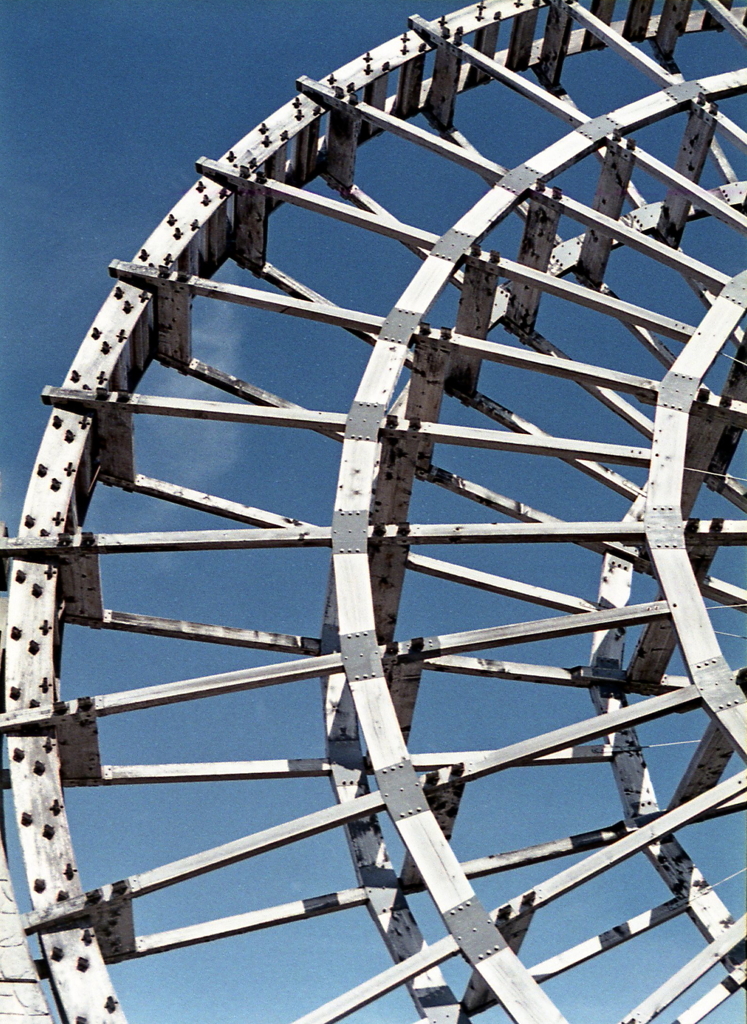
<point>78,741</point>
<point>476,934</point>
<point>360,655</point>
<point>114,924</point>
<point>400,788</point>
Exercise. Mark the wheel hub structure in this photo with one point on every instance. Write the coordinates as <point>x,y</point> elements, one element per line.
<point>469,793</point>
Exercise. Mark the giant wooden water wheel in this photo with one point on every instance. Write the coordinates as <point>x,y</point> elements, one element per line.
<point>405,453</point>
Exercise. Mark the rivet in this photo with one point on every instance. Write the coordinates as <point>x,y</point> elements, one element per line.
<point>57,953</point>
<point>40,885</point>
<point>83,963</point>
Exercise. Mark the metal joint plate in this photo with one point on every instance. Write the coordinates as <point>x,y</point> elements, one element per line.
<point>519,179</point>
<point>716,684</point>
<point>677,391</point>
<point>452,245</point>
<point>476,934</point>
<point>364,420</point>
<point>665,532</point>
<point>736,290</point>
<point>401,789</point>
<point>684,91</point>
<point>599,128</point>
<point>350,531</point>
<point>114,925</point>
<point>360,655</point>
<point>400,326</point>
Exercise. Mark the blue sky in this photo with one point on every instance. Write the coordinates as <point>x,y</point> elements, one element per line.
<point>106,106</point>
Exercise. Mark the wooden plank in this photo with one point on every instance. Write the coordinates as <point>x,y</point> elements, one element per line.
<point>174,322</point>
<point>519,424</point>
<point>625,311</point>
<point>307,200</point>
<point>152,625</point>
<point>497,584</point>
<point>115,441</point>
<point>597,863</point>
<point>474,318</point>
<point>375,95</point>
<point>305,151</point>
<point>643,389</point>
<point>202,502</point>
<point>721,14</point>
<point>218,771</point>
<point>184,540</point>
<point>729,942</point>
<point>712,999</point>
<point>409,85</point>
<point>251,297</point>
<point>190,408</point>
<point>580,732</point>
<point>526,632</point>
<point>499,440</point>
<point>602,9</point>
<point>366,993</point>
<point>224,682</point>
<point>241,924</point>
<point>590,948</point>
<point>342,145</point>
<point>21,994</point>
<point>210,860</point>
<point>485,41</point>
<point>579,676</point>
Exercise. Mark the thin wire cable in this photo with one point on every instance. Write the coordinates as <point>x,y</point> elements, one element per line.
<point>709,472</point>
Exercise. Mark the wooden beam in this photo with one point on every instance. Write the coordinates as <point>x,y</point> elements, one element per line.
<point>218,771</point>
<point>241,924</point>
<point>202,502</point>
<point>730,941</point>
<point>177,629</point>
<point>252,297</point>
<point>602,861</point>
<point>497,584</point>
